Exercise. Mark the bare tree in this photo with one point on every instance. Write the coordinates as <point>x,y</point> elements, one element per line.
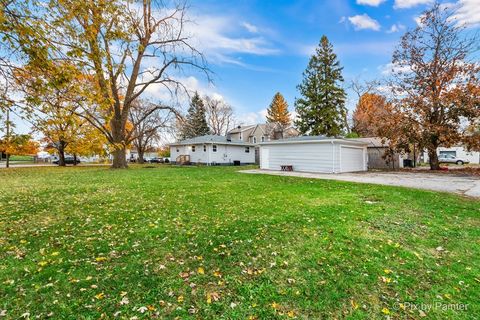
<point>220,117</point>
<point>436,83</point>
<point>147,130</point>
<point>127,46</point>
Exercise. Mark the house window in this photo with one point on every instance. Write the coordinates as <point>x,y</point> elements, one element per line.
<point>214,148</point>
<point>193,148</point>
<point>204,148</point>
<point>263,139</point>
<point>450,153</point>
<point>247,149</point>
<point>240,137</point>
<point>254,139</point>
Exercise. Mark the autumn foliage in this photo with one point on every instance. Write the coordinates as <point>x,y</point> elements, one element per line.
<point>370,115</point>
<point>277,112</point>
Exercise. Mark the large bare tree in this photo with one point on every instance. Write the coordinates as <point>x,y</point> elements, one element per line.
<point>435,80</point>
<point>220,117</point>
<point>147,131</point>
<point>129,47</point>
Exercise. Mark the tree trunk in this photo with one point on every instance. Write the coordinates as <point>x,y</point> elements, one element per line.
<point>119,159</point>
<point>118,133</point>
<point>8,161</point>
<point>61,155</point>
<point>74,159</point>
<point>433,159</point>
<point>141,152</point>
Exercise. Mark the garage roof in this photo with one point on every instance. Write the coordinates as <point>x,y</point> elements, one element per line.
<point>320,139</point>
<point>211,139</point>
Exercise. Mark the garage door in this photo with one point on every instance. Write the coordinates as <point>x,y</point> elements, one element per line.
<point>351,159</point>
<point>264,158</point>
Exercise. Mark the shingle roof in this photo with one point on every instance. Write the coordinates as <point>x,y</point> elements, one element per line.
<point>313,138</point>
<point>210,139</point>
<point>374,142</point>
<point>242,128</point>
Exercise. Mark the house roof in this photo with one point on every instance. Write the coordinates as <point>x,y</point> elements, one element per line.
<point>306,139</point>
<point>242,128</point>
<point>374,142</point>
<point>210,139</point>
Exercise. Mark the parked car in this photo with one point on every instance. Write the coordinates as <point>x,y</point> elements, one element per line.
<point>449,158</point>
<point>68,160</point>
<point>156,160</point>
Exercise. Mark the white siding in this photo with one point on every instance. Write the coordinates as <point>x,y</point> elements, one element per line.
<point>461,152</point>
<point>308,157</point>
<point>323,157</point>
<point>225,154</point>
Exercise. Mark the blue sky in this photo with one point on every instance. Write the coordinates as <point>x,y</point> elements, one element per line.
<point>256,47</point>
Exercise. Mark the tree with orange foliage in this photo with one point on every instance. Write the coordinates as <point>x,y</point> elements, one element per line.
<point>277,112</point>
<point>435,84</point>
<point>370,115</point>
<point>53,104</point>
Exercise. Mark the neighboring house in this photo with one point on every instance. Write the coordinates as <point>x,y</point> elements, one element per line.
<point>315,154</point>
<point>379,156</point>
<point>457,151</point>
<point>259,133</point>
<point>213,150</point>
<point>132,155</point>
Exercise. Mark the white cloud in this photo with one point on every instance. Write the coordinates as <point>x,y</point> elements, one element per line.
<point>396,28</point>
<point>250,27</point>
<point>355,48</point>
<point>405,4</point>
<point>252,117</point>
<point>418,20</point>
<point>467,12</point>
<point>391,68</point>
<point>373,3</point>
<point>212,35</point>
<point>191,84</point>
<point>362,22</point>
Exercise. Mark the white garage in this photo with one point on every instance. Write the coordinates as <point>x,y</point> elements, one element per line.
<point>314,154</point>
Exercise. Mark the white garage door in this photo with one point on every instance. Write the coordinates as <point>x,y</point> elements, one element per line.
<point>264,158</point>
<point>351,159</point>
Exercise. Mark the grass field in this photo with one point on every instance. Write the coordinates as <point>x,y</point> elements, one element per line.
<point>205,243</point>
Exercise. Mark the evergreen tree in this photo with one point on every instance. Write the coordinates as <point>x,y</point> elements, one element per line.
<point>321,109</point>
<point>277,112</point>
<point>196,121</point>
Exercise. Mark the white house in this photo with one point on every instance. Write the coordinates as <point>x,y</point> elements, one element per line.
<point>212,150</point>
<point>315,154</point>
<point>457,151</point>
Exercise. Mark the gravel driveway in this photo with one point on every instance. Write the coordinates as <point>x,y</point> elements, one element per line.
<point>459,184</point>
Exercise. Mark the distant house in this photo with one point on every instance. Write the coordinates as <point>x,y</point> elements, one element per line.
<point>314,154</point>
<point>457,151</point>
<point>259,133</point>
<point>380,155</point>
<point>212,150</point>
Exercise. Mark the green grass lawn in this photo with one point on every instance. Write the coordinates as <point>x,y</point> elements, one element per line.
<point>205,243</point>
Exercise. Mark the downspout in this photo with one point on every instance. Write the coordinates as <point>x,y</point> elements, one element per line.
<point>333,156</point>
<point>208,154</point>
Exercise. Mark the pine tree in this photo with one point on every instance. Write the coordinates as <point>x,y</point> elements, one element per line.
<point>321,109</point>
<point>196,121</point>
<point>277,112</point>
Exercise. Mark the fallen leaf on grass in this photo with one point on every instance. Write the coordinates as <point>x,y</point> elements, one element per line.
<point>100,296</point>
<point>212,297</point>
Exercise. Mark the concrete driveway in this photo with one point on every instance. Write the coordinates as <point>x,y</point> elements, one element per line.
<point>453,183</point>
